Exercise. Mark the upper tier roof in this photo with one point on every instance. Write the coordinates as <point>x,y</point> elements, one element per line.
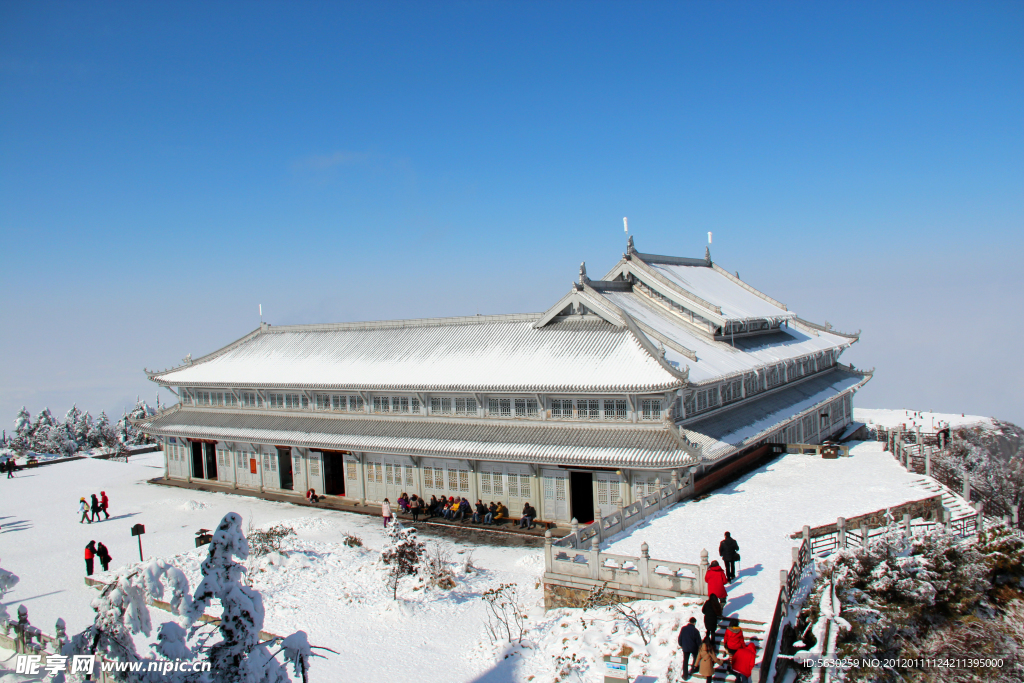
<point>498,353</point>
<point>602,337</point>
<point>735,302</point>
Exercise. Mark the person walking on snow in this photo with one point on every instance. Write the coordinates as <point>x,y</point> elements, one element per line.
<point>385,511</point>
<point>104,555</point>
<point>728,550</point>
<point>689,641</point>
<point>95,508</point>
<point>83,507</point>
<point>742,663</point>
<point>712,610</point>
<point>10,468</point>
<point>103,504</point>
<point>90,553</point>
<point>706,659</point>
<point>733,640</point>
<point>715,578</point>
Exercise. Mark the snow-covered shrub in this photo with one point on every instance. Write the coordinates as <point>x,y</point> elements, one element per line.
<point>352,541</point>
<point>505,618</point>
<point>401,555</point>
<point>437,562</point>
<point>265,541</point>
<point>923,597</point>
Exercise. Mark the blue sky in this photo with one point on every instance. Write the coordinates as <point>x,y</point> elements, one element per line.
<point>166,167</point>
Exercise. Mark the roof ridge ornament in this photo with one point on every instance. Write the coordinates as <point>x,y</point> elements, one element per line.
<point>583,273</point>
<point>707,255</point>
<point>187,360</point>
<point>630,249</point>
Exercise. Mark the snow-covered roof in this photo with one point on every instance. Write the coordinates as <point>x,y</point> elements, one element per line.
<point>719,358</point>
<point>627,445</point>
<point>735,301</point>
<point>497,353</point>
<point>729,430</point>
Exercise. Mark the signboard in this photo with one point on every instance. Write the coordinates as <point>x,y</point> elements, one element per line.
<point>615,669</point>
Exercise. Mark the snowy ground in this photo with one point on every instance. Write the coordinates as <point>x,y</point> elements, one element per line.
<point>763,508</point>
<point>333,592</point>
<point>928,421</point>
<point>336,593</point>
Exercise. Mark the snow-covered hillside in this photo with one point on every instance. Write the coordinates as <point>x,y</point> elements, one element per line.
<point>927,420</point>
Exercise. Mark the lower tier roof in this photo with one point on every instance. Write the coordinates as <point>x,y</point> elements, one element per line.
<point>727,431</point>
<point>599,445</point>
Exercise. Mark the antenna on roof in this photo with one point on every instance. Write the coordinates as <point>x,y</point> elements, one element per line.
<point>709,237</point>
<point>261,314</point>
<point>625,224</point>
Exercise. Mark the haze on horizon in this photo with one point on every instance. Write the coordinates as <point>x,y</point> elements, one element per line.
<point>166,169</point>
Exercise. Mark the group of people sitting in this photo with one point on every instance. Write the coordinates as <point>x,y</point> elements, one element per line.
<point>460,509</point>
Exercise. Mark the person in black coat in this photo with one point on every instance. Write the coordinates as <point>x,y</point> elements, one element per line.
<point>104,555</point>
<point>712,610</point>
<point>96,508</point>
<point>689,641</point>
<point>728,550</point>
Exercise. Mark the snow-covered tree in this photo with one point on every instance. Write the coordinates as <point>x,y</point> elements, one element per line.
<point>7,582</point>
<point>401,555</point>
<point>23,423</point>
<point>237,657</point>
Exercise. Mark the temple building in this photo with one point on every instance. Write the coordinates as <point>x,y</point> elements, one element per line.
<point>665,367</point>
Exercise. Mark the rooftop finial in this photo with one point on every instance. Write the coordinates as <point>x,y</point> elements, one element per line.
<point>583,273</point>
<point>707,255</point>
<point>630,249</point>
<point>187,359</point>
<point>661,349</point>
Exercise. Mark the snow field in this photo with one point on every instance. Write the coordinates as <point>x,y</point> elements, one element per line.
<point>761,510</point>
<point>334,593</point>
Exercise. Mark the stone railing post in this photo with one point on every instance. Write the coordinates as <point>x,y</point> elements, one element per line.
<point>980,507</point>
<point>574,533</point>
<point>928,462</point>
<point>841,532</point>
<point>918,436</point>
<point>644,565</point>
<point>702,571</point>
<point>783,583</point>
<point>947,517</point>
<point>548,557</point>
<point>595,558</point>
<point>657,490</point>
<point>967,487</point>
<point>675,485</point>
<point>907,529</point>
<point>599,524</point>
<point>796,556</point>
<point>865,534</point>
<point>20,640</point>
<point>1015,514</point>
<point>807,536</point>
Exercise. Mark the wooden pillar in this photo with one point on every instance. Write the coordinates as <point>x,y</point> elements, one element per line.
<point>841,532</point>
<point>233,457</point>
<point>361,474</point>
<point>967,487</point>
<point>928,462</point>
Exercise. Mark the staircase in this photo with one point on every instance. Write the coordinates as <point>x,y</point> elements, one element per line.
<point>751,629</point>
<point>954,502</point>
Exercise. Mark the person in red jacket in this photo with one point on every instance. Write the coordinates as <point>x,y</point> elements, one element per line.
<point>733,639</point>
<point>103,504</point>
<point>716,580</point>
<point>743,662</point>
<point>90,553</point>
